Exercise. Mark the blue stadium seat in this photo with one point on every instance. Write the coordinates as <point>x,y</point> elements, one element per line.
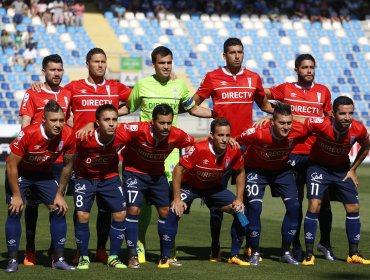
<point>9,95</point>
<point>18,68</point>
<point>1,95</point>
<point>16,86</point>
<point>357,97</point>
<point>2,78</point>
<point>5,86</point>
<point>341,81</point>
<point>356,48</point>
<point>351,81</point>
<point>12,121</point>
<point>272,64</point>
<point>335,89</point>
<point>353,64</point>
<point>35,78</point>
<point>355,89</point>
<point>349,56</point>
<point>347,72</point>
<point>270,80</point>
<point>188,63</point>
<point>139,47</point>
<point>3,104</point>
<point>13,104</point>
<point>266,72</point>
<point>367,98</point>
<point>193,55</point>
<point>7,68</point>
<point>26,86</point>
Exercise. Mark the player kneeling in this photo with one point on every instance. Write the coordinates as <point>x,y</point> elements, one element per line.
<point>202,173</point>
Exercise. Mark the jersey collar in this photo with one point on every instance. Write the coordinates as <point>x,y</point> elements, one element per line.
<point>305,88</point>
<point>43,132</point>
<point>213,151</point>
<point>94,85</point>
<point>97,139</point>
<point>50,91</point>
<point>229,74</point>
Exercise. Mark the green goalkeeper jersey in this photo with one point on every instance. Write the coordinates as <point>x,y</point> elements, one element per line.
<point>148,93</point>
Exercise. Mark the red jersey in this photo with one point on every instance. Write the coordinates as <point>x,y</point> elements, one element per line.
<point>87,97</point>
<point>265,151</point>
<point>38,151</point>
<point>233,96</point>
<point>143,153</point>
<point>204,169</point>
<point>332,147</point>
<point>305,102</point>
<point>95,160</point>
<point>34,102</point>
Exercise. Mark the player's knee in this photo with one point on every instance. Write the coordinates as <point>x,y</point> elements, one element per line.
<point>352,208</point>
<point>314,205</point>
<point>119,216</point>
<point>255,208</point>
<point>133,210</point>
<point>163,212</point>
<point>292,207</point>
<point>82,217</point>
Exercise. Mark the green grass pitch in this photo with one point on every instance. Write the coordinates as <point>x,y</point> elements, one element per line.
<point>193,241</point>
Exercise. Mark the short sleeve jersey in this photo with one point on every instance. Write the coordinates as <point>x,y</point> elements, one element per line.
<point>34,102</point>
<point>233,96</point>
<point>87,97</point>
<point>145,154</point>
<point>148,93</point>
<point>95,160</point>
<point>265,151</point>
<point>332,147</point>
<point>305,102</point>
<point>205,170</point>
<point>38,151</point>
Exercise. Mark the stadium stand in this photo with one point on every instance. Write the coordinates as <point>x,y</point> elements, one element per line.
<point>342,50</point>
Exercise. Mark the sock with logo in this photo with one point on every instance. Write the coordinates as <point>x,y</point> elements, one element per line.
<point>117,235</point>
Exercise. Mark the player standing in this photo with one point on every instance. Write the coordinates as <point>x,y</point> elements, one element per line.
<point>233,89</point>
<point>147,146</point>
<point>266,163</point>
<point>330,168</point>
<point>31,112</point>
<point>148,93</point>
<point>201,173</point>
<point>32,152</point>
<point>308,99</point>
<point>97,175</point>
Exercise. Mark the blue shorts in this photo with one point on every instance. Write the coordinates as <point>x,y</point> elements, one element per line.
<point>109,191</point>
<point>282,181</point>
<point>154,188</point>
<point>213,199</point>
<point>299,165</point>
<point>320,178</point>
<point>41,187</point>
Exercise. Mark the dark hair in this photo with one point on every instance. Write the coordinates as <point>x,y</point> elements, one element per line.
<point>342,100</point>
<point>302,57</point>
<point>103,108</point>
<point>52,107</point>
<point>94,51</point>
<point>51,58</point>
<point>161,109</point>
<point>232,42</point>
<point>219,122</point>
<point>161,50</point>
<point>281,108</point>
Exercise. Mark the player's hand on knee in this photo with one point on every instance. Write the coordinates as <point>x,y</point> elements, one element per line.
<point>16,204</point>
<point>351,174</point>
<point>178,207</point>
<point>61,204</point>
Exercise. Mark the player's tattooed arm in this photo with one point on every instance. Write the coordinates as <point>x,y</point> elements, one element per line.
<point>36,86</point>
<point>177,205</point>
<point>66,172</point>
<point>361,155</point>
<point>16,202</point>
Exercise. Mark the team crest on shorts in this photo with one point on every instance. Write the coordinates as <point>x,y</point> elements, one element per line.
<point>60,147</point>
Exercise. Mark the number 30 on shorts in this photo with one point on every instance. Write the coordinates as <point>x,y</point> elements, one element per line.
<point>252,190</point>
